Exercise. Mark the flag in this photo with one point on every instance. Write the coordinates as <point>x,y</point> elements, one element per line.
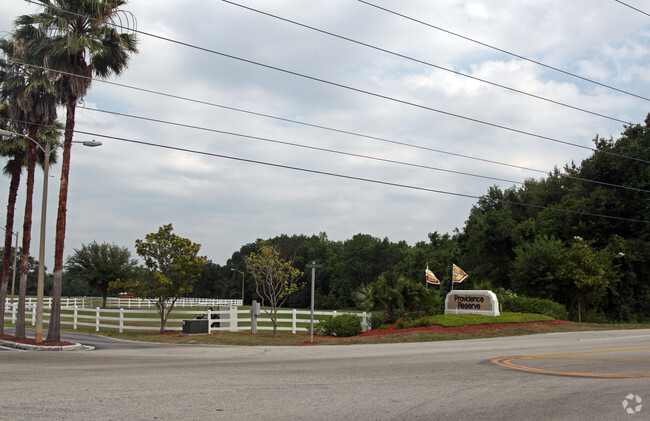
<point>431,278</point>
<point>458,274</point>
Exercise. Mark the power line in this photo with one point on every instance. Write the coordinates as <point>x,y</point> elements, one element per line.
<point>298,145</point>
<point>349,177</point>
<point>326,173</point>
<point>632,7</point>
<point>429,64</point>
<point>410,145</point>
<point>504,51</point>
<point>386,97</point>
<point>293,121</point>
<point>391,161</point>
<point>381,96</point>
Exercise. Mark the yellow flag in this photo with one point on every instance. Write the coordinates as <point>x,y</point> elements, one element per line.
<point>459,275</point>
<point>431,278</point>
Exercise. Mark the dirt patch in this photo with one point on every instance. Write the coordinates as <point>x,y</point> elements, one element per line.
<point>31,341</point>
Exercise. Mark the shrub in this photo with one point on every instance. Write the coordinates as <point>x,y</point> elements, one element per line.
<point>379,320</point>
<point>522,304</point>
<point>343,325</point>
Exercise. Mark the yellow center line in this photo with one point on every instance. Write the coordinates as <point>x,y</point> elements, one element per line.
<point>533,357</point>
<point>508,362</point>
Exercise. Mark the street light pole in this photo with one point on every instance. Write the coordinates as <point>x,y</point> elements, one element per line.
<point>38,335</point>
<point>242,285</point>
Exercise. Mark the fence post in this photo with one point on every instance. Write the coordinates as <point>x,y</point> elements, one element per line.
<point>293,321</point>
<point>209,320</point>
<point>121,320</point>
<point>13,312</point>
<point>253,312</point>
<point>233,319</point>
<point>74,318</point>
<point>96,319</point>
<point>33,315</point>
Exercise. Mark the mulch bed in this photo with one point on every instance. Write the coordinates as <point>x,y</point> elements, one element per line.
<point>393,329</point>
<point>31,341</point>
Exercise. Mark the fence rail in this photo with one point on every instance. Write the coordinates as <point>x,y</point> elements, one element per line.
<point>115,302</point>
<point>231,319</point>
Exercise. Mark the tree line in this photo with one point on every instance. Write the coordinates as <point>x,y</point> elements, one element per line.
<point>578,236</point>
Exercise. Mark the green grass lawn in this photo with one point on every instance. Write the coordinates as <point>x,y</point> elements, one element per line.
<point>431,328</point>
<point>455,320</point>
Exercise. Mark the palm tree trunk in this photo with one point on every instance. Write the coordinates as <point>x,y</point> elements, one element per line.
<point>6,258</point>
<point>27,234</point>
<point>54,329</point>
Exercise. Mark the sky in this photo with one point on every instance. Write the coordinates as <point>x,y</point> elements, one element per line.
<point>343,117</point>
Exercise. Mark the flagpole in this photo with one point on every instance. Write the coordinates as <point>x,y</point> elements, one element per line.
<point>452,277</point>
<point>426,280</point>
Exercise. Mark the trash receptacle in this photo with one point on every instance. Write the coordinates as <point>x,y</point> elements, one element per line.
<point>195,326</point>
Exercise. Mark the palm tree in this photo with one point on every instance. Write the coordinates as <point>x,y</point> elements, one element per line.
<point>32,101</point>
<point>14,148</point>
<point>392,293</point>
<point>82,42</point>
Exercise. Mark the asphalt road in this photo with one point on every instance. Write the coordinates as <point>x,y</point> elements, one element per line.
<point>570,376</point>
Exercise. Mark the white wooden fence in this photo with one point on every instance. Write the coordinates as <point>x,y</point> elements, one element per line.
<point>232,320</point>
<point>115,302</point>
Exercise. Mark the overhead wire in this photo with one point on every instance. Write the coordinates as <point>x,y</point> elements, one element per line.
<point>356,155</point>
<point>293,121</point>
<point>632,7</point>
<point>403,56</point>
<point>338,175</point>
<point>410,145</point>
<point>539,63</point>
<point>303,146</point>
<point>382,96</point>
<point>350,177</point>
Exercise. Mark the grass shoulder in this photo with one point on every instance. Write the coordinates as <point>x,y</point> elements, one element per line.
<point>431,328</point>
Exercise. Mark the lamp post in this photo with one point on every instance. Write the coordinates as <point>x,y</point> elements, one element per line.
<point>242,285</point>
<point>38,336</point>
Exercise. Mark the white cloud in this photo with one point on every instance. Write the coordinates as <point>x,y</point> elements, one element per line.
<point>122,191</point>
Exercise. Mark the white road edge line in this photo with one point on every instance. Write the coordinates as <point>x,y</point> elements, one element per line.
<point>615,338</point>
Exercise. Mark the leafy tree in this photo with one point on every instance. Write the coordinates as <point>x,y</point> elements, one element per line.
<point>275,279</point>
<point>82,41</point>
<point>488,240</point>
<point>101,265</point>
<point>537,269</point>
<point>584,270</point>
<point>206,284</point>
<point>173,266</point>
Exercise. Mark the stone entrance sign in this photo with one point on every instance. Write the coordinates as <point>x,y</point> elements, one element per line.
<point>472,302</point>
